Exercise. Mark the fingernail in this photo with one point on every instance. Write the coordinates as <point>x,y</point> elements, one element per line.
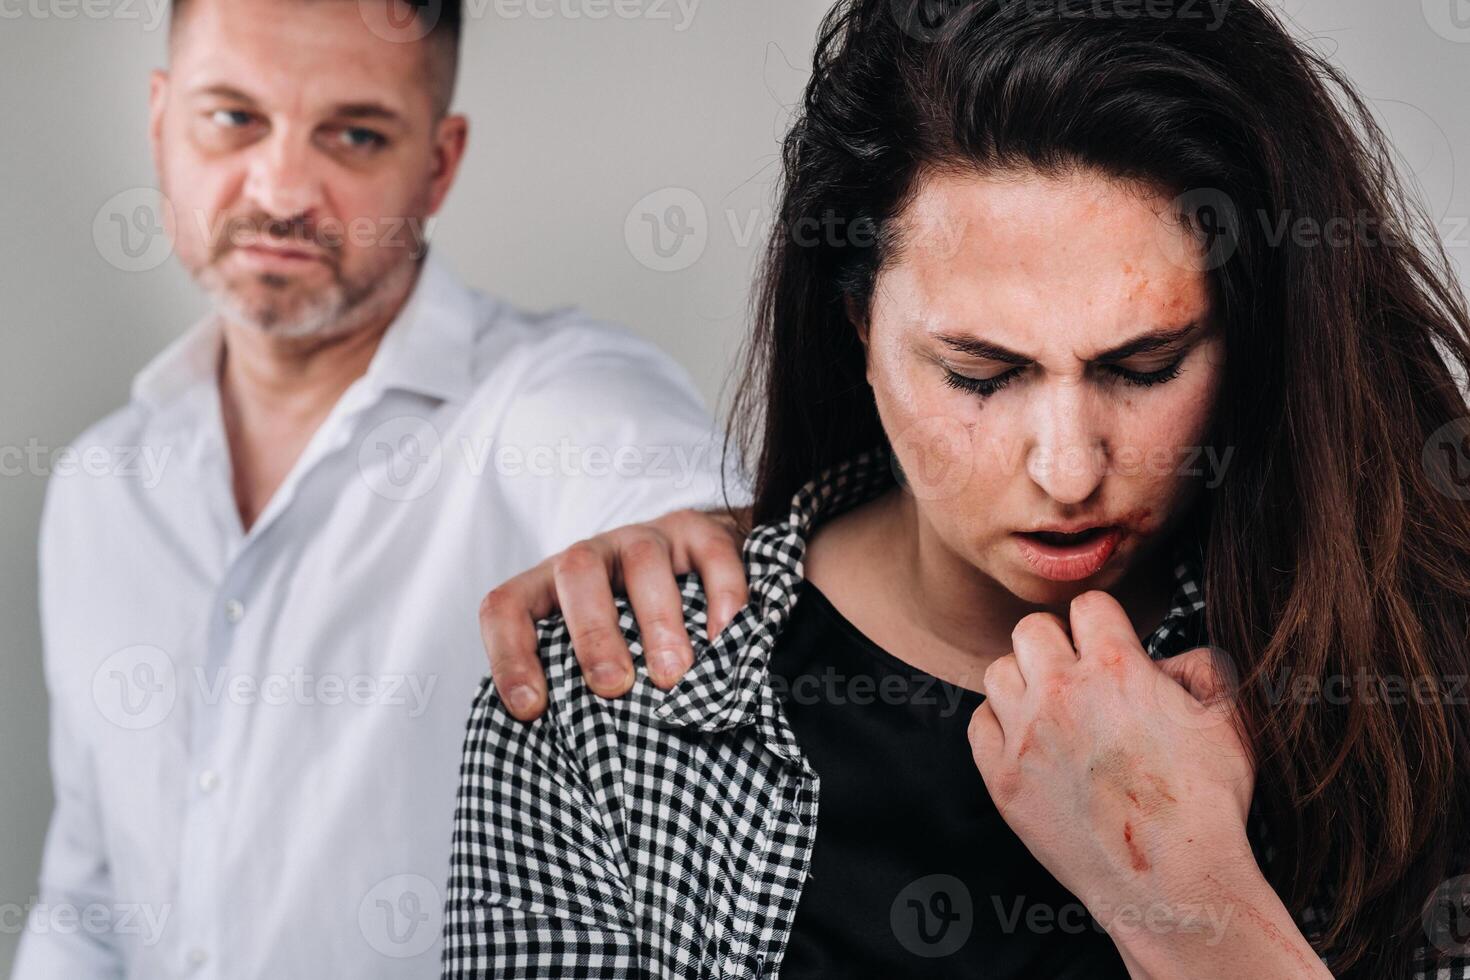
<point>666,663</point>
<point>607,675</point>
<point>522,699</point>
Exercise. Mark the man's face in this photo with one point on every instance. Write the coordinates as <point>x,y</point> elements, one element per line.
<point>302,157</point>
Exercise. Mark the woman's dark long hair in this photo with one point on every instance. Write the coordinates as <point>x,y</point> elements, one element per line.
<point>1339,543</point>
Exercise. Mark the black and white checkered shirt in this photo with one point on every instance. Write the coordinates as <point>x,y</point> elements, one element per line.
<point>668,834</point>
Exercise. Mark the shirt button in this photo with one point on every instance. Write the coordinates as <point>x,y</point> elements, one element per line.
<point>197,957</point>
<point>208,780</point>
<point>234,610</point>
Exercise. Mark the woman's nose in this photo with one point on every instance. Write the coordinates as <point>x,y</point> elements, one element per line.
<point>1068,456</point>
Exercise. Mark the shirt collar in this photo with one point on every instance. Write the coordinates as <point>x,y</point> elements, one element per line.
<point>729,684</point>
<point>427,348</point>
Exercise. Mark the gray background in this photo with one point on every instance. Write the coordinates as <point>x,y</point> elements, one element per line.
<point>574,122</point>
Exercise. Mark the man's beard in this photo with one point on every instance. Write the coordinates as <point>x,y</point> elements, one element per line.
<point>280,305</point>
<point>273,304</point>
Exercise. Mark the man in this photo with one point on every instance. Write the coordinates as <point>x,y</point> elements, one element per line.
<point>259,667</point>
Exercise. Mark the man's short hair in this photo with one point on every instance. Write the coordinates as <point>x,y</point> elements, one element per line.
<point>445,19</point>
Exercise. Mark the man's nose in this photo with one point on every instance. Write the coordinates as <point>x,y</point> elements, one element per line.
<point>1069,455</point>
<point>283,181</point>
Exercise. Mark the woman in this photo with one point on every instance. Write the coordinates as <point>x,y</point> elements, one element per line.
<point>1038,401</point>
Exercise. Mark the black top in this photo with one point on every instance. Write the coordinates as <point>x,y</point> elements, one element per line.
<point>914,873</point>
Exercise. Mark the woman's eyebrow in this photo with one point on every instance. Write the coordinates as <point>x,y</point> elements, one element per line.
<point>1142,344</point>
<point>1149,342</point>
<point>975,347</point>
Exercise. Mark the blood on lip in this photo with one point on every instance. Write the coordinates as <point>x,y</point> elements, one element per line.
<point>1070,559</point>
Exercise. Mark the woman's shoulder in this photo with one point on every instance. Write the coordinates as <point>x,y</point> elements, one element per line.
<point>557,648</point>
<point>570,701</point>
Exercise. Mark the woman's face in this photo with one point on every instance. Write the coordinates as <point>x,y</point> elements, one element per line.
<point>1043,358</point>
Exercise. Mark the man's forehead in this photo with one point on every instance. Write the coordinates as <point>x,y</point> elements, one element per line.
<point>309,53</point>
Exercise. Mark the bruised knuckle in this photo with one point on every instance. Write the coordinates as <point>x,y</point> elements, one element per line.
<point>643,550</point>
<point>500,604</point>
<point>578,559</point>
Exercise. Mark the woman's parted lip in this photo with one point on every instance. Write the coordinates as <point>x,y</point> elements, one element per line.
<point>1068,528</point>
<point>1132,522</point>
<point>1070,556</point>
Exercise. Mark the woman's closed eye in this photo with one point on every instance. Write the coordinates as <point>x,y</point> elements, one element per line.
<point>980,386</point>
<point>1138,377</point>
<point>1146,377</point>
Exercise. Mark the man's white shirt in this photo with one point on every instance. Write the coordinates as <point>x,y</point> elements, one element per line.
<point>256,736</point>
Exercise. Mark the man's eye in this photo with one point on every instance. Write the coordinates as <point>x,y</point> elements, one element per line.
<point>231,118</point>
<point>357,138</point>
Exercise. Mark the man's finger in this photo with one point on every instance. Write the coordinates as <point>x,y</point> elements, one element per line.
<point>508,617</point>
<point>648,575</point>
<point>716,557</point>
<point>584,593</point>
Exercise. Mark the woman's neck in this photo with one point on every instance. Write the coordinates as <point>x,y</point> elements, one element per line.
<point>892,576</point>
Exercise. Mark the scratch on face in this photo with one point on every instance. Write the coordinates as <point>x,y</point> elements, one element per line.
<point>1135,853</point>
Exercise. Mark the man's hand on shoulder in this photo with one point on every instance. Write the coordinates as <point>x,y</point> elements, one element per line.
<point>641,561</point>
